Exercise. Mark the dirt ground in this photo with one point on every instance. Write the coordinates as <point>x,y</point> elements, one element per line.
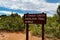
<point>18,36</point>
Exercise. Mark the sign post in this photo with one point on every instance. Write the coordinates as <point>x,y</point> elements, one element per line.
<point>35,19</point>
<point>27,31</point>
<point>42,31</point>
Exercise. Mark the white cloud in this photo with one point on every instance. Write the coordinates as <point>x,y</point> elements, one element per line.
<point>28,4</point>
<point>8,13</point>
<point>40,5</point>
<point>49,15</point>
<point>21,14</point>
<point>5,12</point>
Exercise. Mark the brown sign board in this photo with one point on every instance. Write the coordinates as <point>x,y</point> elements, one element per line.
<point>35,18</point>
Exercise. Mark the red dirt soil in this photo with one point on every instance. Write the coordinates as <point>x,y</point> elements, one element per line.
<point>17,36</point>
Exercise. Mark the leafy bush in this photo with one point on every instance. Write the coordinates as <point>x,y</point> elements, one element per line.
<point>11,23</point>
<point>52,28</point>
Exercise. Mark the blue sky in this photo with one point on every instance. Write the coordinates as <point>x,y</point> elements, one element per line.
<point>53,1</point>
<point>31,6</point>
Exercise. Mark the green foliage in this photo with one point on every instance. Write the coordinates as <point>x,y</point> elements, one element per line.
<point>35,29</point>
<point>52,28</point>
<point>12,22</point>
<point>58,12</point>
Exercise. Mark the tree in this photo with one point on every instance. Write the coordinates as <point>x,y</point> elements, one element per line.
<point>58,21</point>
<point>58,12</point>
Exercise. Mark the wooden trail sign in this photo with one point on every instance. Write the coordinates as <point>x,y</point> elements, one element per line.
<point>34,19</point>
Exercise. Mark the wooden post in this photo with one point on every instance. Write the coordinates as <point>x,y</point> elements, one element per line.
<point>27,27</point>
<point>42,31</point>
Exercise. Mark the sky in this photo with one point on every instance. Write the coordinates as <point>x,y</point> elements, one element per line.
<point>29,6</point>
